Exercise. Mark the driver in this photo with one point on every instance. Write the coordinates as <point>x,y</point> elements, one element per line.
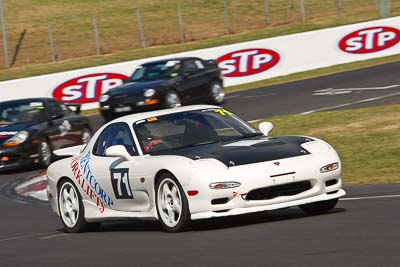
<point>148,140</point>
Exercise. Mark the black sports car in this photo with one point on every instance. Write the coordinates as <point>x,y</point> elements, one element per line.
<point>165,84</point>
<point>30,129</point>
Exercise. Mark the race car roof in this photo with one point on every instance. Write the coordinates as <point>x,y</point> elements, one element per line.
<point>171,59</point>
<point>141,116</point>
<point>23,100</point>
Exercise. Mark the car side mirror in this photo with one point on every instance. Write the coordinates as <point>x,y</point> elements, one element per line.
<point>75,108</point>
<point>265,128</point>
<point>118,151</point>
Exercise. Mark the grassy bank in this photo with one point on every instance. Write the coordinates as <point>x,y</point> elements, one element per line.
<point>368,140</point>
<point>27,22</point>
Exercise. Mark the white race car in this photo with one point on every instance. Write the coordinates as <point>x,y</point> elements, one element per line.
<point>190,163</point>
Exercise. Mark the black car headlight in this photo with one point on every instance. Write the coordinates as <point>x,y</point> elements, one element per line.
<point>149,92</point>
<point>104,98</point>
<point>17,139</point>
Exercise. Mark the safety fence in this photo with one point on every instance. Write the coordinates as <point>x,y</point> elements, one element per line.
<point>45,31</point>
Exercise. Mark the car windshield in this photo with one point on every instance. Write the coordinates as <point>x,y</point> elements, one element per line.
<point>156,71</point>
<point>18,112</point>
<point>191,129</point>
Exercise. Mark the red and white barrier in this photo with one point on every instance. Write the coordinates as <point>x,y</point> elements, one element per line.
<point>241,63</point>
<point>35,187</point>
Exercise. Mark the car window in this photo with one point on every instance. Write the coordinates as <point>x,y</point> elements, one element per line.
<point>189,129</point>
<point>115,134</point>
<point>22,111</point>
<point>190,66</point>
<point>157,70</point>
<point>54,108</point>
<point>222,128</point>
<point>199,64</point>
<point>65,110</point>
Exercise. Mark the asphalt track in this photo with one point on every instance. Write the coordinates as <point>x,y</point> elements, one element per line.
<point>364,229</point>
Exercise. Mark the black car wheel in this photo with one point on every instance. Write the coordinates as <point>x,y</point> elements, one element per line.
<point>45,153</point>
<point>86,134</point>
<point>172,100</point>
<point>217,94</point>
<point>172,205</point>
<point>71,209</point>
<point>319,207</point>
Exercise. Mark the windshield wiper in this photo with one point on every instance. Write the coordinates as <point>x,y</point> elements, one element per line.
<point>249,135</point>
<point>203,143</point>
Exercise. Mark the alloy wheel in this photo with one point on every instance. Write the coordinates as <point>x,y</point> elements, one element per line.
<point>169,202</point>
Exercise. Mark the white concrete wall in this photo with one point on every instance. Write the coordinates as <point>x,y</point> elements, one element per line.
<point>241,63</point>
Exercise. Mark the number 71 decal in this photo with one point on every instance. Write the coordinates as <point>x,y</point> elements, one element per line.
<point>120,183</point>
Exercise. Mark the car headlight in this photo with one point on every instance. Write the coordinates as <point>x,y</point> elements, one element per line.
<point>149,92</point>
<point>224,185</point>
<point>17,139</point>
<point>104,98</point>
<point>330,167</point>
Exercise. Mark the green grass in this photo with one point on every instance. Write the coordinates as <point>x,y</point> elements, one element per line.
<point>74,40</point>
<point>367,140</point>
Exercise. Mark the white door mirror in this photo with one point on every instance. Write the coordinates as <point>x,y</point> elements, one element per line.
<point>118,151</point>
<point>265,128</point>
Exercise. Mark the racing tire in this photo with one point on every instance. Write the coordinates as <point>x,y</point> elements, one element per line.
<point>172,205</point>
<point>45,152</point>
<point>216,94</point>
<point>172,100</point>
<point>86,134</point>
<point>319,207</point>
<point>72,212</point>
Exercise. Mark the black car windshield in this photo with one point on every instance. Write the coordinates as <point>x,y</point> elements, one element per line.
<point>191,129</point>
<point>22,111</point>
<point>156,71</point>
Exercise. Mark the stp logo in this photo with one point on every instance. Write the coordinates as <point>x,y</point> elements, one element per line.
<point>370,40</point>
<point>247,62</point>
<point>88,88</point>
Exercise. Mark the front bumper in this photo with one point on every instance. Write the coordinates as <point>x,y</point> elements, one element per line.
<point>120,107</point>
<point>264,186</point>
<point>18,157</point>
<point>239,211</point>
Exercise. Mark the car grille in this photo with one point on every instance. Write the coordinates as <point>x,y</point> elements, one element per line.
<point>271,192</point>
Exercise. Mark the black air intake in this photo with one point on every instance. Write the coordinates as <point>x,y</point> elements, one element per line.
<point>271,192</point>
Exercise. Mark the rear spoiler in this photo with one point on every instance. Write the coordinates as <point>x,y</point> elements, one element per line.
<point>76,108</point>
<point>72,151</point>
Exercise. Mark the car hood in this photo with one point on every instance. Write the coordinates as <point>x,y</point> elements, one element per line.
<point>248,151</point>
<point>9,130</point>
<point>134,88</point>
